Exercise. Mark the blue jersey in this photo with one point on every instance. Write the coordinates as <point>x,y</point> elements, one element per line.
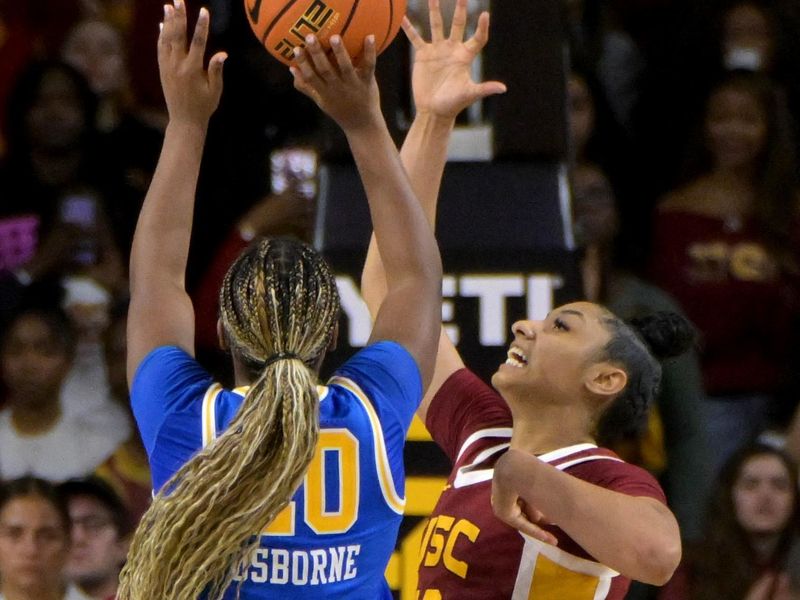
<point>336,536</point>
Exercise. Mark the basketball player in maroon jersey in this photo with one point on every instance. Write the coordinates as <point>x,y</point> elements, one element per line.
<point>590,522</point>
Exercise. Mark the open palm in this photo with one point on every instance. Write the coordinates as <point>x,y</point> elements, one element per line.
<point>442,78</point>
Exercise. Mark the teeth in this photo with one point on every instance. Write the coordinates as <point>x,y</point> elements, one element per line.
<point>516,358</point>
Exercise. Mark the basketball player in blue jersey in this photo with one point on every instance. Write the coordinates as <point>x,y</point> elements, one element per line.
<point>279,488</point>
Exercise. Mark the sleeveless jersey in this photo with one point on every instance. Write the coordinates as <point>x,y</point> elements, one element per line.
<point>336,536</point>
<point>469,554</point>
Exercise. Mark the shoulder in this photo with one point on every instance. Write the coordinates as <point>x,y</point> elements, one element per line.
<point>382,363</point>
<point>609,471</point>
<point>686,199</point>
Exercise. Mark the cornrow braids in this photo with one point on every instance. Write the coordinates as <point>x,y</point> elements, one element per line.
<point>279,297</point>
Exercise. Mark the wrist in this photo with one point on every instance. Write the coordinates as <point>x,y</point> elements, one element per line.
<point>434,120</point>
<point>188,126</point>
<point>371,125</point>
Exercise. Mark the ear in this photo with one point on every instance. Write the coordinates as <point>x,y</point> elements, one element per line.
<point>222,339</point>
<point>605,379</point>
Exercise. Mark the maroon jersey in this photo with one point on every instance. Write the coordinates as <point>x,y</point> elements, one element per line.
<point>466,552</point>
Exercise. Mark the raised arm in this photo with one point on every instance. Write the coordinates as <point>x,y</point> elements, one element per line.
<point>636,536</point>
<point>161,312</point>
<point>410,313</point>
<point>443,87</point>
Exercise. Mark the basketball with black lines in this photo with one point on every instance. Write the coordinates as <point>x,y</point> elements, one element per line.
<point>282,25</point>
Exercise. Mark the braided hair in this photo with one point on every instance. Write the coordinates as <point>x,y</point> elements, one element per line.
<point>279,308</point>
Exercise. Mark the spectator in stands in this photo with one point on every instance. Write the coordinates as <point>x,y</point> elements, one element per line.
<point>725,246</point>
<point>96,48</point>
<point>52,181</point>
<point>126,470</point>
<point>672,441</point>
<point>34,543</point>
<point>100,530</point>
<point>752,523</point>
<point>37,436</point>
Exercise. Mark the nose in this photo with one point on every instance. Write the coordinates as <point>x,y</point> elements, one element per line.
<point>526,329</point>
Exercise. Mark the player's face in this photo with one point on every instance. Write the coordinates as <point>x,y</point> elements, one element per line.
<point>97,550</point>
<point>763,496</point>
<point>547,360</point>
<point>736,126</point>
<point>33,544</point>
<point>34,362</point>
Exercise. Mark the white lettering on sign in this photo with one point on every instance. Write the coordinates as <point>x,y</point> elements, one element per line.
<point>491,292</point>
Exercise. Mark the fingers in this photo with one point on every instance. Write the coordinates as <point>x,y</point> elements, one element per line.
<point>525,526</point>
<point>476,43</point>
<point>489,88</point>
<point>306,69</point>
<point>178,37</point>
<point>200,37</point>
<point>215,72</point>
<point>437,25</point>
<point>320,61</point>
<point>366,66</point>
<point>412,34</point>
<point>459,21</point>
<point>346,68</point>
<point>166,31</point>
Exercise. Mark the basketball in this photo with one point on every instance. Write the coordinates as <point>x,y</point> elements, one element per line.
<point>282,25</point>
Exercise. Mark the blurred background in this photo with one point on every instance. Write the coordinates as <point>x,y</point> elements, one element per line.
<point>645,157</point>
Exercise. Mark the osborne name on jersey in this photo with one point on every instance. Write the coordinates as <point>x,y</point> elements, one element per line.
<point>320,566</point>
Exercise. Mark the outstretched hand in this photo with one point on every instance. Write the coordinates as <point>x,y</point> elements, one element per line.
<point>442,77</point>
<point>347,93</point>
<point>191,92</point>
<point>507,503</point>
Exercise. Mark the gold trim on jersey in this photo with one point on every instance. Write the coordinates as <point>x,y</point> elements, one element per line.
<point>209,410</point>
<point>209,414</point>
<point>395,501</point>
<point>548,573</point>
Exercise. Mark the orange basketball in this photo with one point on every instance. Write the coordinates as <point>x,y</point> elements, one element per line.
<point>281,25</point>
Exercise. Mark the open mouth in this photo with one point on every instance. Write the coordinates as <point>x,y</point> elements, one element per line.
<point>516,358</point>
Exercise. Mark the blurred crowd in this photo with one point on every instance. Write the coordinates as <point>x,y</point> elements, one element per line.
<point>684,168</point>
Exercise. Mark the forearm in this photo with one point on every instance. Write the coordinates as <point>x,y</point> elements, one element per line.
<point>636,536</point>
<point>161,242</point>
<point>424,156</point>
<point>399,222</point>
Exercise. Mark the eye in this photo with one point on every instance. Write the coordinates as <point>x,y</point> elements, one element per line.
<point>560,324</point>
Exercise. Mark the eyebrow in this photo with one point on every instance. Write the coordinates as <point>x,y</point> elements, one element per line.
<point>577,313</point>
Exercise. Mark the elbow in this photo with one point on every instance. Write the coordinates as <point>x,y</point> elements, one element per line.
<point>658,559</point>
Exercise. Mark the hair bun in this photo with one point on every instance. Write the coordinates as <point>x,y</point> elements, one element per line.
<point>667,334</point>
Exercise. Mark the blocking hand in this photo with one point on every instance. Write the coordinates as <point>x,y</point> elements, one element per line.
<point>442,77</point>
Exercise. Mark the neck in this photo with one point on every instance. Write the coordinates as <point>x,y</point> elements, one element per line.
<point>39,592</point>
<point>541,429</point>
<point>104,588</point>
<point>35,419</point>
<point>764,545</point>
<point>741,178</point>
